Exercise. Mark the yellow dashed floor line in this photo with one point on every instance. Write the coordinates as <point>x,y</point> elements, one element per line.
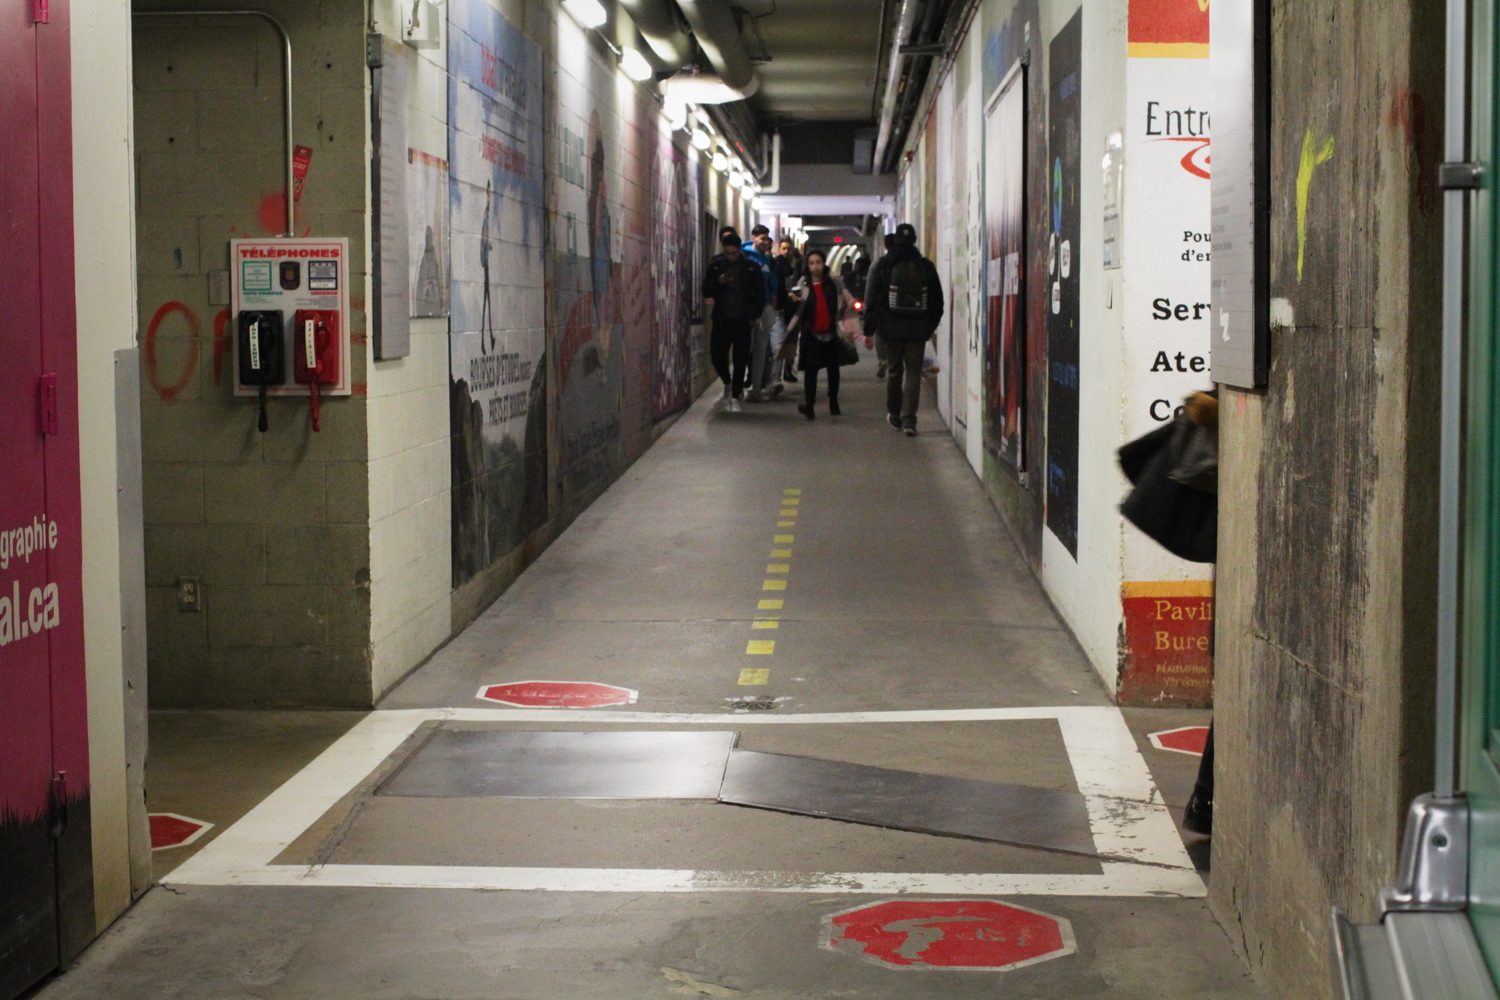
<point>790,505</point>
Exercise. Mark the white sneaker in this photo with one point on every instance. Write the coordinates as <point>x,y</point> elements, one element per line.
<point>734,405</point>
<point>776,389</point>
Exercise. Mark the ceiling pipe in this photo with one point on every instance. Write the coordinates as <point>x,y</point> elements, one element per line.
<point>773,153</point>
<point>893,81</point>
<point>659,25</point>
<point>719,37</point>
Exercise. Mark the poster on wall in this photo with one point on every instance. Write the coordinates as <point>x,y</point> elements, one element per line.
<point>1005,250</point>
<point>497,350</point>
<point>1063,144</point>
<point>1167,602</point>
<point>427,232</point>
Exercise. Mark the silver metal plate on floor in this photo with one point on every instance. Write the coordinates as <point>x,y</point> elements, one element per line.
<point>470,763</point>
<point>905,800</point>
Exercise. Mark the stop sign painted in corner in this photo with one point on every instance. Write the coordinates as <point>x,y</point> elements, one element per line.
<point>1188,740</point>
<point>961,935</point>
<point>557,694</point>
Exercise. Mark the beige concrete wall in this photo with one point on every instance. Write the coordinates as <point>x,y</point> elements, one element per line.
<point>1326,574</point>
<point>104,261</point>
<point>277,525</point>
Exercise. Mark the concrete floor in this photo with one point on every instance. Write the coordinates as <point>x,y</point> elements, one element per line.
<point>903,595</point>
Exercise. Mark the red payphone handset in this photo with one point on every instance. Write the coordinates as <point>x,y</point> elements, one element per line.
<point>315,361</point>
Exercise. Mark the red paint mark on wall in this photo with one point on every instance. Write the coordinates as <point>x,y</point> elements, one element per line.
<point>1167,657</point>
<point>170,391</point>
<point>1408,112</point>
<point>221,343</point>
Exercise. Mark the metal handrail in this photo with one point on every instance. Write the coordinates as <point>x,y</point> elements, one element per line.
<point>286,56</point>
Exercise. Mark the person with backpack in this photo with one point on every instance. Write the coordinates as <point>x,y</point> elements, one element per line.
<point>903,304</point>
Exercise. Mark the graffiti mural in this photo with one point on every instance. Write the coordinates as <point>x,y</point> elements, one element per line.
<point>498,370</point>
<point>573,231</point>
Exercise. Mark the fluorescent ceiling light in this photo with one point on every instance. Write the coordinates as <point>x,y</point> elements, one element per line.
<point>589,13</point>
<point>701,139</point>
<point>635,65</point>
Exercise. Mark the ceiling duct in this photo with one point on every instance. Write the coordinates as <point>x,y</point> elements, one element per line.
<point>718,33</point>
<point>705,88</point>
<point>660,26</point>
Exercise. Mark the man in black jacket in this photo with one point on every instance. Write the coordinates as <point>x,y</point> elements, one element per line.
<point>903,304</point>
<point>735,293</point>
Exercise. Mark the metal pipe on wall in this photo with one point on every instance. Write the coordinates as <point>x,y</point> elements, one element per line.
<point>719,37</point>
<point>286,57</point>
<point>659,25</point>
<point>893,80</point>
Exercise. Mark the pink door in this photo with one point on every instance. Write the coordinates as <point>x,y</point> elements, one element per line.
<point>46,909</point>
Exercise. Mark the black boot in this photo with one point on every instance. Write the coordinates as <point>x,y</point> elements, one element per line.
<point>1198,816</point>
<point>833,406</point>
<point>806,410</point>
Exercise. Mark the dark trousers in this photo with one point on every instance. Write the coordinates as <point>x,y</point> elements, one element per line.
<point>730,335</point>
<point>903,380</point>
<point>810,387</point>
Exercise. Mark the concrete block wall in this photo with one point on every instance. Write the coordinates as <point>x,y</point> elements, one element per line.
<point>1328,494</point>
<point>276,525</point>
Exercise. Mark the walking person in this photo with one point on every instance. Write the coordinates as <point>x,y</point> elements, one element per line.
<point>1174,500</point>
<point>880,358</point>
<point>767,328</point>
<point>735,295</point>
<point>904,305</point>
<point>822,303</point>
<point>788,265</point>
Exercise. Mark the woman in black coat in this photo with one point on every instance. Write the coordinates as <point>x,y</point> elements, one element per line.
<point>821,302</point>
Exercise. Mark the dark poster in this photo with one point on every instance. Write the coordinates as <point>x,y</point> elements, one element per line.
<point>1065,58</point>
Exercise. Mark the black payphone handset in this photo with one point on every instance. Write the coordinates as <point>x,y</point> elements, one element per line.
<point>260,353</point>
<point>316,361</point>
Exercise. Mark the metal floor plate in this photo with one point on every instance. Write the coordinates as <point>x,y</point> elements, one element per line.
<point>905,800</point>
<point>469,763</point>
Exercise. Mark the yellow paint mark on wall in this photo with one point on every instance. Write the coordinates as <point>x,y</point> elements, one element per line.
<point>779,568</point>
<point>771,604</point>
<point>760,647</point>
<point>773,585</point>
<point>754,675</point>
<point>1312,155</point>
<point>781,553</point>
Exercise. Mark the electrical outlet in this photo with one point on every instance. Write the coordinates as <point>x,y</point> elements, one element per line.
<point>189,593</point>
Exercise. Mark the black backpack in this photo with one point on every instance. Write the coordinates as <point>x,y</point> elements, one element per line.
<point>908,288</point>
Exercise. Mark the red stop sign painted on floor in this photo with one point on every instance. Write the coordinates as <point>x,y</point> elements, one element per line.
<point>172,830</point>
<point>954,934</point>
<point>557,694</point>
<point>1188,739</point>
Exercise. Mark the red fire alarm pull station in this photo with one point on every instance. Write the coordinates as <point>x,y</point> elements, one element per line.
<point>316,361</point>
<point>291,299</point>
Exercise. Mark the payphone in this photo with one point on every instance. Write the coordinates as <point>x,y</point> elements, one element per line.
<point>291,299</point>
<point>259,348</point>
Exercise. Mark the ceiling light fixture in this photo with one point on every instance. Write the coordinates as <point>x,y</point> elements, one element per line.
<point>721,162</point>
<point>588,13</point>
<point>635,65</point>
<point>701,139</point>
